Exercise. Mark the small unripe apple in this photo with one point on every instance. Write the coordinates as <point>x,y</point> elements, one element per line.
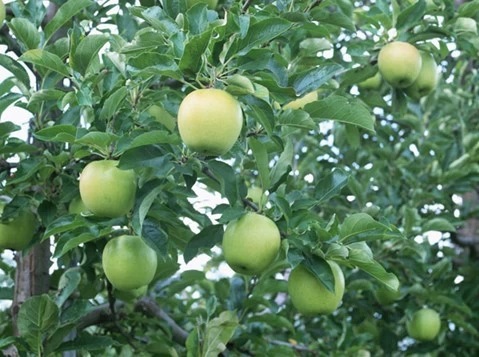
<point>251,243</point>
<point>399,63</point>
<point>2,12</point>
<point>310,296</point>
<point>427,79</point>
<point>210,121</point>
<point>373,82</point>
<point>424,325</point>
<point>18,232</point>
<point>386,296</point>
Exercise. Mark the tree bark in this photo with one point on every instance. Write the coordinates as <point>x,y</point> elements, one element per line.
<point>31,276</point>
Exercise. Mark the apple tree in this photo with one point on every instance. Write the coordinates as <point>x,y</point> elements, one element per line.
<point>363,168</point>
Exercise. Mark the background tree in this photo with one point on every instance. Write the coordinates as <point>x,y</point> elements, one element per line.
<point>381,183</point>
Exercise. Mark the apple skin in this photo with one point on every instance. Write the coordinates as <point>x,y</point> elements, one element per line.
<point>3,12</point>
<point>129,263</point>
<point>424,325</point>
<point>19,232</point>
<point>427,80</point>
<point>373,82</point>
<point>310,296</point>
<point>251,243</point>
<point>106,190</point>
<point>210,121</point>
<point>399,63</point>
<point>385,296</point>
<point>130,295</point>
<point>210,3</point>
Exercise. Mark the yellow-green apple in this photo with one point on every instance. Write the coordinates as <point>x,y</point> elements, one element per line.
<point>373,82</point>
<point>210,121</point>
<point>386,296</point>
<point>424,325</point>
<point>399,63</point>
<point>310,296</point>
<point>106,190</point>
<point>17,232</point>
<point>128,262</point>
<point>251,243</point>
<point>427,79</point>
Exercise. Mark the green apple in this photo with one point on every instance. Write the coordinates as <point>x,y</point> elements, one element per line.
<point>373,82</point>
<point>386,296</point>
<point>399,63</point>
<point>2,12</point>
<point>310,296</point>
<point>367,326</point>
<point>301,102</point>
<point>465,25</point>
<point>424,325</point>
<point>210,3</point>
<point>129,263</point>
<point>106,190</point>
<point>251,243</point>
<point>18,232</point>
<point>210,121</point>
<point>427,79</point>
<point>256,195</point>
<point>76,206</point>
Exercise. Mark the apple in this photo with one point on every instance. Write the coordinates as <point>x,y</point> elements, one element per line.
<point>256,195</point>
<point>18,232</point>
<point>465,25</point>
<point>210,3</point>
<point>373,82</point>
<point>76,206</point>
<point>310,296</point>
<point>251,243</point>
<point>301,102</point>
<point>129,263</point>
<point>424,325</point>
<point>106,190</point>
<point>210,121</point>
<point>427,79</point>
<point>399,63</point>
<point>386,296</point>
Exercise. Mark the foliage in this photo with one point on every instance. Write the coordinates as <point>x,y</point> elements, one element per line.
<point>370,179</point>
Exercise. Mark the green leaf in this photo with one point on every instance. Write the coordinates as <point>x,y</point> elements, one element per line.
<point>320,269</point>
<point>68,242</point>
<point>347,110</point>
<point>64,224</point>
<point>312,79</point>
<point>97,140</point>
<point>7,341</point>
<point>262,32</point>
<point>359,223</point>
<point>45,95</point>
<point>192,58</point>
<point>86,51</point>
<point>64,14</point>
<point>296,119</point>
<point>218,332</point>
<point>274,321</point>
<point>227,178</point>
<point>67,285</point>
<point>25,32</point>
<point>361,256</point>
<point>155,236</point>
<point>282,167</point>
<point>438,224</point>
<point>45,59</point>
<point>260,154</point>
<point>331,185</point>
<point>411,15</point>
<point>38,317</point>
<point>207,238</point>
<point>8,127</point>
<point>147,156</point>
<point>112,103</point>
<point>86,342</point>
<point>16,69</point>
